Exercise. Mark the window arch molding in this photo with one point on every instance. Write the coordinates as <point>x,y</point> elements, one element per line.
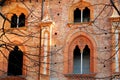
<point>23,49</point>
<point>17,10</point>
<point>80,5</point>
<point>68,51</point>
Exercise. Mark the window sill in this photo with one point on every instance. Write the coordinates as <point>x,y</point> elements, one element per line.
<point>20,28</point>
<point>114,19</point>
<point>78,24</point>
<point>80,76</point>
<point>13,78</point>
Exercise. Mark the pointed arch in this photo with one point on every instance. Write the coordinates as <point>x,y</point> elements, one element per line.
<point>15,62</point>
<point>86,14</point>
<point>77,15</point>
<point>21,20</point>
<point>76,60</point>
<point>14,21</point>
<point>81,5</point>
<point>81,39</point>
<point>86,59</point>
<point>21,12</point>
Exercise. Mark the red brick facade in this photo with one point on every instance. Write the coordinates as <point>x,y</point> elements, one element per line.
<point>48,44</point>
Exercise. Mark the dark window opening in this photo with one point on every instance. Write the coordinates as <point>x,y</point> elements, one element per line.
<point>77,15</point>
<point>14,21</point>
<point>86,59</point>
<point>77,60</point>
<point>17,21</point>
<point>15,62</point>
<point>86,15</point>
<point>21,20</point>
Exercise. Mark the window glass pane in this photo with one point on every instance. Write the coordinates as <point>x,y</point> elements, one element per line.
<point>14,21</point>
<point>21,20</point>
<point>77,60</point>
<point>86,60</point>
<point>86,15</point>
<point>77,15</point>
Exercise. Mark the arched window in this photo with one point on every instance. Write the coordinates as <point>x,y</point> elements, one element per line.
<point>80,55</point>
<point>77,60</point>
<point>15,62</point>
<point>86,15</point>
<point>77,15</point>
<point>86,60</point>
<point>21,20</point>
<point>81,60</point>
<point>81,12</point>
<point>17,22</point>
<point>14,21</point>
<point>82,15</point>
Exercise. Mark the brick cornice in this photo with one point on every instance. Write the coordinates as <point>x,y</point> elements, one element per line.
<point>115,19</point>
<point>46,24</point>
